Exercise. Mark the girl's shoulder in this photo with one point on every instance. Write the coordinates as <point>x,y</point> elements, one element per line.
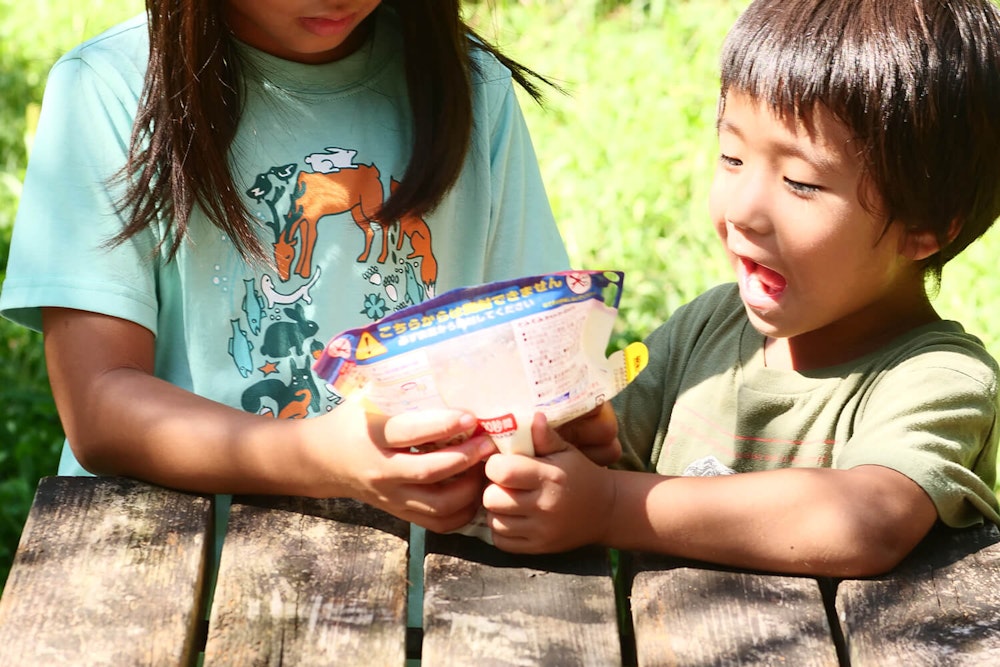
<point>128,38</point>
<point>486,68</point>
<point>118,57</point>
<point>113,63</point>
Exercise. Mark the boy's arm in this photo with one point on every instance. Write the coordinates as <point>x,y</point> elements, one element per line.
<point>816,521</point>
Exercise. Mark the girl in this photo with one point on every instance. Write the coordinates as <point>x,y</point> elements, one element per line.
<point>217,188</point>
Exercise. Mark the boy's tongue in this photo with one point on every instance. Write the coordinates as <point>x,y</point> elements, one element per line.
<point>761,283</point>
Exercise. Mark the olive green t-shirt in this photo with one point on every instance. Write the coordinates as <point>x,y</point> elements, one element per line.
<point>924,405</point>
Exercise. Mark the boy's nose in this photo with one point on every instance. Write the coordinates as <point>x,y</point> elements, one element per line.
<point>746,204</point>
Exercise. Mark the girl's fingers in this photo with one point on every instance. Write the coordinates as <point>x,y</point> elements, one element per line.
<point>431,467</point>
<point>442,500</point>
<point>511,534</point>
<point>446,524</point>
<point>505,524</point>
<point>420,427</point>
<point>440,522</point>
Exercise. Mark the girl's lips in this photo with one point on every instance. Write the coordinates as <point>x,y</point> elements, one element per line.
<point>760,286</point>
<point>325,27</point>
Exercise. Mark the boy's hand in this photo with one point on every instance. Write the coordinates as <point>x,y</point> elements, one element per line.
<point>595,434</point>
<point>556,501</point>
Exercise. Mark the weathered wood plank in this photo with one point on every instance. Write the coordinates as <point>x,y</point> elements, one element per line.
<point>108,572</point>
<point>486,607</point>
<point>693,616</point>
<point>309,582</point>
<point>941,606</point>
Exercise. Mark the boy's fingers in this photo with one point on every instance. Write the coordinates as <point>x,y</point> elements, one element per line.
<point>514,471</point>
<point>500,500</point>
<point>596,427</point>
<point>545,439</point>
<point>604,455</point>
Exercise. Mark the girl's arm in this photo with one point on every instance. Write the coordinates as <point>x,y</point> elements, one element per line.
<point>815,521</point>
<point>122,420</point>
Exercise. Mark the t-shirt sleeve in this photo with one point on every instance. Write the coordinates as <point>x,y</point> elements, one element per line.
<point>59,254</point>
<point>643,406</point>
<point>699,333</point>
<point>934,419</point>
<point>524,238</point>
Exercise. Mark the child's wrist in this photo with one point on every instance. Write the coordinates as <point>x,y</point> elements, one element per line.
<point>611,509</point>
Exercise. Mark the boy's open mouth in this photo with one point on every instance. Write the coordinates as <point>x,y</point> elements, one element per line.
<point>760,286</point>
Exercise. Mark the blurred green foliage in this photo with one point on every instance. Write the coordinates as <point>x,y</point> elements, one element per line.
<point>32,36</point>
<point>628,151</point>
<point>627,154</point>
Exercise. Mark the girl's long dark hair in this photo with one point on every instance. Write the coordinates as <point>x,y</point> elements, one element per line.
<point>191,102</point>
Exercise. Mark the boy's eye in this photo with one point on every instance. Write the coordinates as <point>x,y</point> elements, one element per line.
<point>801,188</point>
<point>729,161</point>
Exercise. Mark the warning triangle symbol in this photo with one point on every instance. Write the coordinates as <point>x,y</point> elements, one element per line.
<point>369,347</point>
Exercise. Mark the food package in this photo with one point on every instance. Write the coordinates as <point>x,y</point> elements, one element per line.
<point>502,350</point>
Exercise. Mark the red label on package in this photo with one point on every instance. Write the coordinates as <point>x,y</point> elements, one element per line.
<point>499,426</point>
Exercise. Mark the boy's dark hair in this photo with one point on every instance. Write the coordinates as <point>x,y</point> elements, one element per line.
<point>917,82</point>
<point>191,104</point>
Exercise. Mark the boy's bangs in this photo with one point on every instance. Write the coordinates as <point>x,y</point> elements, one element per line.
<point>792,59</point>
<point>855,58</point>
<point>769,71</point>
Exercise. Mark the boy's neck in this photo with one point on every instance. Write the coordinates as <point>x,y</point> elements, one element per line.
<point>840,342</point>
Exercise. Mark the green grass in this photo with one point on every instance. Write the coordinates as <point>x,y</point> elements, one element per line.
<point>627,155</point>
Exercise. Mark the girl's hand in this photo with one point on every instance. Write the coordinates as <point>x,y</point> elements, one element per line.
<point>394,468</point>
<point>595,434</point>
<point>554,502</point>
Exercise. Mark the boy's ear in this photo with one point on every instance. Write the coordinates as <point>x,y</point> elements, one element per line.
<point>919,244</point>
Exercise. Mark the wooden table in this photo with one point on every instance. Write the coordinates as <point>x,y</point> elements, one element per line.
<point>113,572</point>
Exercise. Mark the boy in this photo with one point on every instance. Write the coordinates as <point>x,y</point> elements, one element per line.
<point>818,416</point>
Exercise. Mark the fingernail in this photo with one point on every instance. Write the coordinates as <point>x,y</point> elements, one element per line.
<point>467,421</point>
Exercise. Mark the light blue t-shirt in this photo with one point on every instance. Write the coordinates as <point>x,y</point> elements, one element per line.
<point>318,150</point>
